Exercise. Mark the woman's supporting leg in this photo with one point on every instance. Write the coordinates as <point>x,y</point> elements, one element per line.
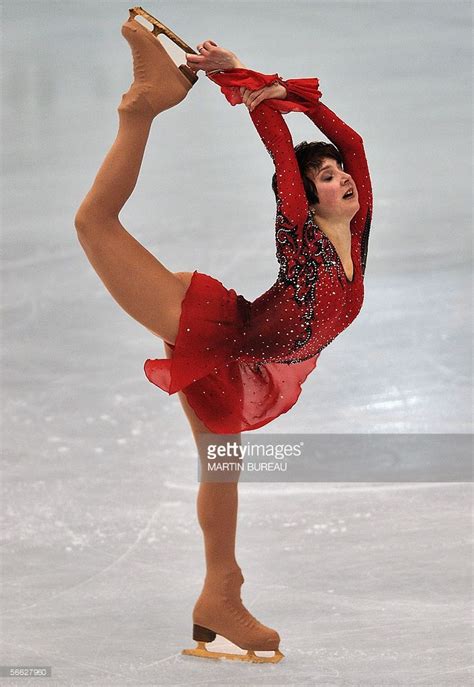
<point>219,606</point>
<point>143,286</point>
<point>217,502</point>
<point>217,505</point>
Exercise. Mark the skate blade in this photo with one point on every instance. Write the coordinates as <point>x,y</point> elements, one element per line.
<point>158,28</point>
<point>251,657</point>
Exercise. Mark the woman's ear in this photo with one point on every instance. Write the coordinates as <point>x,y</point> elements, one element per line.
<point>310,190</point>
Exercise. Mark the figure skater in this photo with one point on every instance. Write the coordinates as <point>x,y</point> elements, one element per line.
<point>236,365</point>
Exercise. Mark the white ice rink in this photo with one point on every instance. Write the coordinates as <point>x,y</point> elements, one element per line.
<point>368,584</point>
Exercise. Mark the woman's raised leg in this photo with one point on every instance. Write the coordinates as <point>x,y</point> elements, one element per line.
<point>142,285</point>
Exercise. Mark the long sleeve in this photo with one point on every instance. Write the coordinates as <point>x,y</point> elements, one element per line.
<point>351,146</point>
<point>292,205</point>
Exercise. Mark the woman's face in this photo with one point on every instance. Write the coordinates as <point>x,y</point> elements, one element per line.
<point>332,183</point>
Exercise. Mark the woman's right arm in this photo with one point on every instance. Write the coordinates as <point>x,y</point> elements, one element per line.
<point>225,69</point>
<point>292,204</point>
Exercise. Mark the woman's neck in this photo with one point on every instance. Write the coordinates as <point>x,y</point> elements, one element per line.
<point>339,233</point>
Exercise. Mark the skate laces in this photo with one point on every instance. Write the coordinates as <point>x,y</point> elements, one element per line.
<point>242,614</point>
<point>236,606</point>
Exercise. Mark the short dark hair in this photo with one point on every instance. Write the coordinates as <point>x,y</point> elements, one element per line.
<point>311,155</point>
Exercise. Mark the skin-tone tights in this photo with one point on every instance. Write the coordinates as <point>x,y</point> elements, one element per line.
<point>123,265</point>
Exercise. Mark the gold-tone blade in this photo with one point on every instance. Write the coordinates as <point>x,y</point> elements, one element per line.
<point>201,652</point>
<point>159,27</point>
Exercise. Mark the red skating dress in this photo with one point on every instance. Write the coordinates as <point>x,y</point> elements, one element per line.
<point>241,364</point>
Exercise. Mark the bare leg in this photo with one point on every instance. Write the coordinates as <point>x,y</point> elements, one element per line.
<point>143,286</point>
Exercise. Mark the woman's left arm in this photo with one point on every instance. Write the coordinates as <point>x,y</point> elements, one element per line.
<point>351,147</point>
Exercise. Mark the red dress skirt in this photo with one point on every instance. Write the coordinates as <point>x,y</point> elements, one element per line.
<point>227,391</point>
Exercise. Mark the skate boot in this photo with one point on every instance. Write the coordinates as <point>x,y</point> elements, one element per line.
<point>158,83</point>
<point>220,611</point>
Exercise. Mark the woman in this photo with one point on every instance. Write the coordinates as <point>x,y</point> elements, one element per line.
<point>236,364</point>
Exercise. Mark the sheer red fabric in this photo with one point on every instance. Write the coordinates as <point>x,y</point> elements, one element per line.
<point>241,364</point>
<point>302,94</point>
<point>228,390</point>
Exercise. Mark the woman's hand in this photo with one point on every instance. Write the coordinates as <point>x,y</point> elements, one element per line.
<point>212,56</point>
<point>253,98</point>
